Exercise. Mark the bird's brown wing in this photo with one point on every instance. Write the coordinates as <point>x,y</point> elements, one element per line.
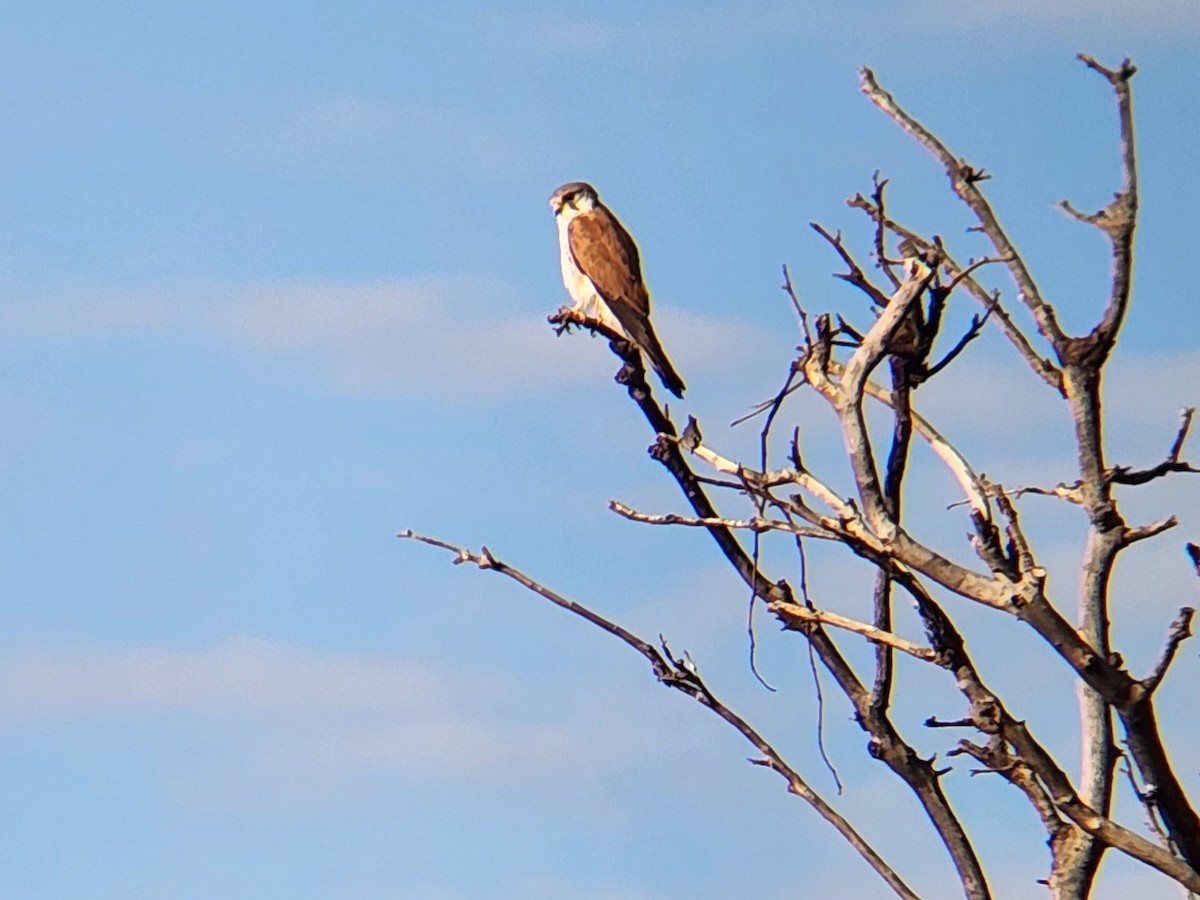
<point>606,254</point>
<point>604,251</point>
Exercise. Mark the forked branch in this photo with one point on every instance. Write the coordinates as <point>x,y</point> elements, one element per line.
<point>964,181</point>
<point>1043,367</point>
<point>1119,218</point>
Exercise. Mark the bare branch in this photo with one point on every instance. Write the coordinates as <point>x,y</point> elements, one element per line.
<point>886,744</point>
<point>996,759</point>
<point>1154,766</point>
<point>964,181</point>
<point>969,335</point>
<point>757,524</point>
<point>1044,368</point>
<point>869,524</point>
<point>962,274</point>
<point>1141,532</point>
<point>1119,218</point>
<point>970,483</point>
<point>1016,536</point>
<point>1124,475</point>
<point>1172,463</point>
<point>875,343</point>
<point>800,314</point>
<point>632,373</point>
<point>803,614</point>
<point>989,715</point>
<point>846,396</point>
<point>855,276</point>
<point>1146,798</point>
<point>754,480</point>
<point>881,261</point>
<point>1090,820</point>
<point>1180,631</point>
<point>1185,424</point>
<point>1068,492</point>
<point>682,675</point>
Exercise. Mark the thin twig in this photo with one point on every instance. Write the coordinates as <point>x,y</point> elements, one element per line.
<point>855,276</point>
<point>800,314</point>
<point>1172,463</point>
<point>1044,368</point>
<point>881,259</point>
<point>760,504</point>
<point>757,524</point>
<point>803,614</point>
<point>964,181</point>
<point>1185,424</point>
<point>1154,529</point>
<point>972,332</point>
<point>1146,798</point>
<point>1119,218</point>
<point>1180,631</point>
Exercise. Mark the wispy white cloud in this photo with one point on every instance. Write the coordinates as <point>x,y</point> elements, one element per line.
<point>1073,18</point>
<point>239,675</point>
<point>997,395</point>
<point>285,727</point>
<point>716,29</point>
<point>349,136</point>
<point>446,338</point>
<point>734,27</point>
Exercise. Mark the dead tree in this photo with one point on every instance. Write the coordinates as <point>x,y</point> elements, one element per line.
<point>881,364</point>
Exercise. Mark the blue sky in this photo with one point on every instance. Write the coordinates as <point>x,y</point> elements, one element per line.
<point>273,280</point>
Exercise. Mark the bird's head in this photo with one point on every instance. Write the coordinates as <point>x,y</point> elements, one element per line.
<point>575,196</point>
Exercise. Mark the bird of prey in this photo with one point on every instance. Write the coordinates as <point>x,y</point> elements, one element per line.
<point>603,275</point>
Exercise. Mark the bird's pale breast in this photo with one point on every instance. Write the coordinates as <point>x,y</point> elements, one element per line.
<point>578,285</point>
